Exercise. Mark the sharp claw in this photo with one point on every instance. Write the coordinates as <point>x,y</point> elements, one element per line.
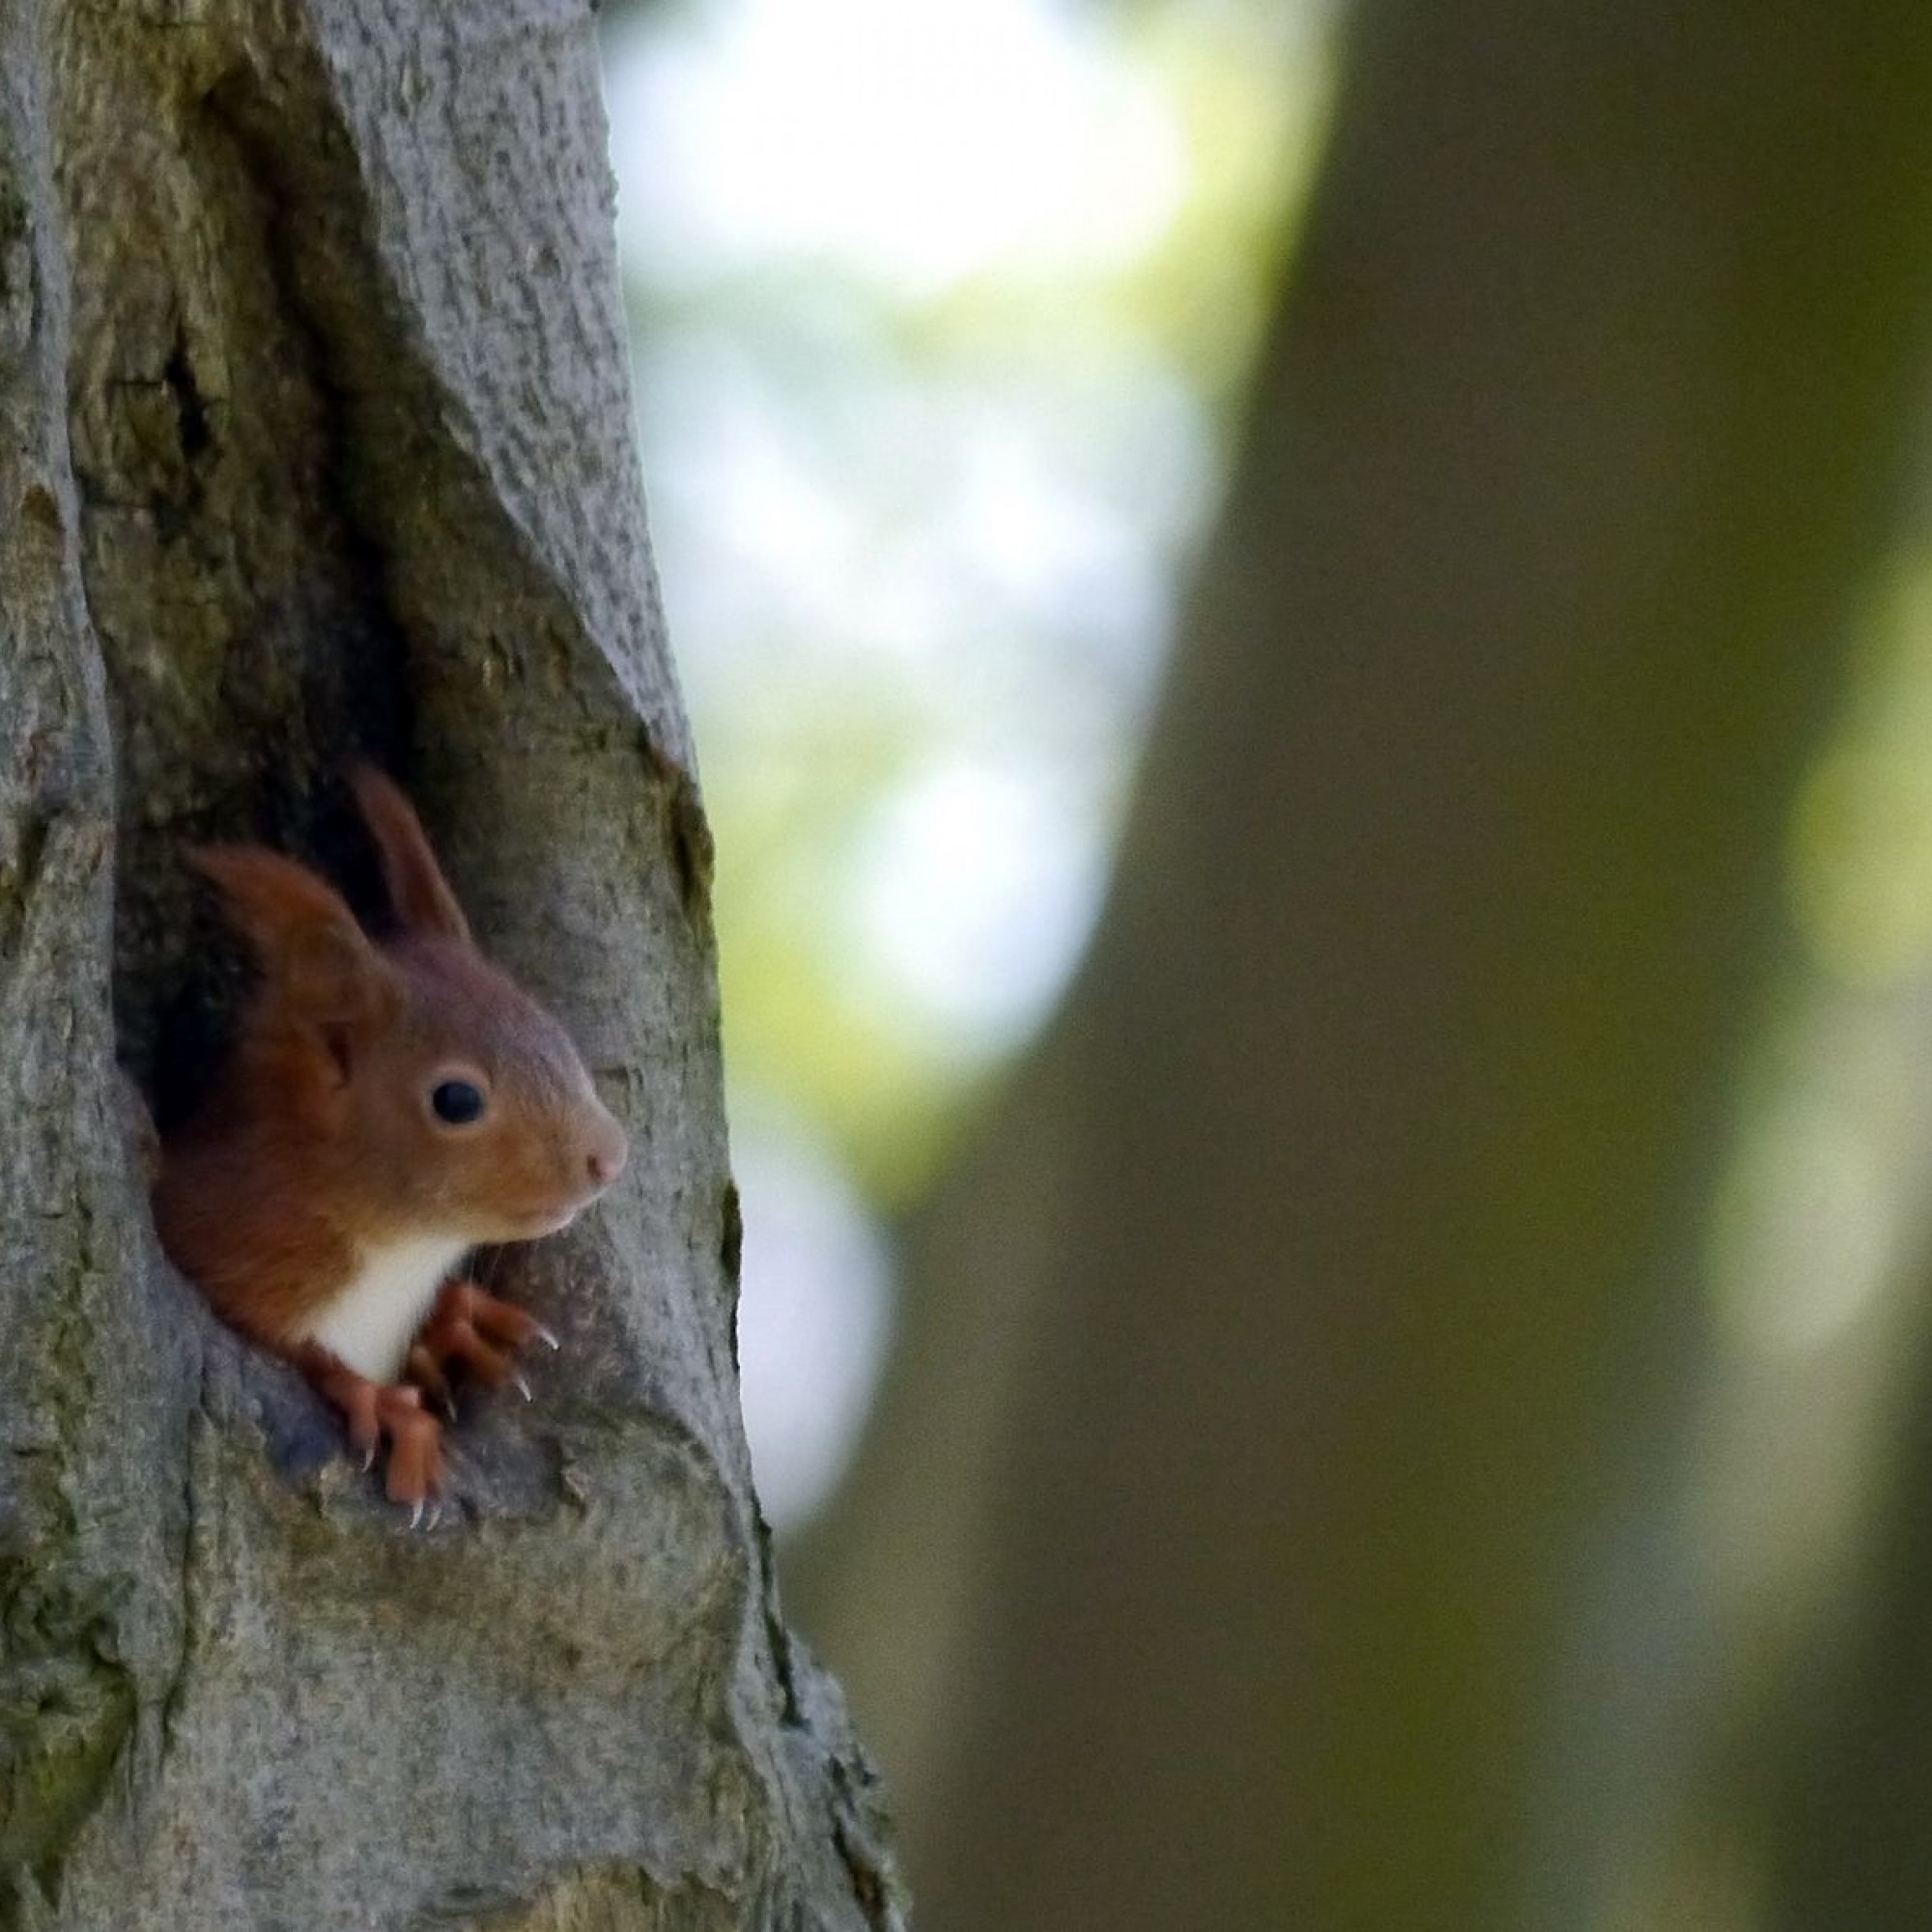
<point>368,1460</point>
<point>522,1387</point>
<point>435,1516</point>
<point>545,1336</point>
<point>416,1514</point>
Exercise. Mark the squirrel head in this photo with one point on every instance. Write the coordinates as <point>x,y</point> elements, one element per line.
<point>419,1089</point>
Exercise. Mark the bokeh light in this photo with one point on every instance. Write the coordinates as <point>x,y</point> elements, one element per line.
<point>937,310</point>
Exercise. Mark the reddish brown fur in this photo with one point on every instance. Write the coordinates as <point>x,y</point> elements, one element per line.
<point>317,1144</point>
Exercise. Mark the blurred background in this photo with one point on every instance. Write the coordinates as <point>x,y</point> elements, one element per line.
<point>943,316</point>
<point>1310,634</point>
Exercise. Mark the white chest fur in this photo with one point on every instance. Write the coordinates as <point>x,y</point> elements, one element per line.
<point>370,1325</point>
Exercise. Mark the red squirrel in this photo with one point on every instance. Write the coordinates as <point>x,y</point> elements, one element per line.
<point>388,1107</point>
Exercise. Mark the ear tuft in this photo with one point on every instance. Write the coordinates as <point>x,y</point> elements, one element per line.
<point>310,947</point>
<point>418,892</point>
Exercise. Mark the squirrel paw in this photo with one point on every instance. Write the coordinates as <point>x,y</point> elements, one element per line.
<point>373,1410</point>
<point>478,1331</point>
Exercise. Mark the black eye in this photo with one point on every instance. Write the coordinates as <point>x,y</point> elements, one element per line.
<point>457,1103</point>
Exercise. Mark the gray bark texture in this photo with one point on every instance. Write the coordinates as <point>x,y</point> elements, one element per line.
<point>315,441</point>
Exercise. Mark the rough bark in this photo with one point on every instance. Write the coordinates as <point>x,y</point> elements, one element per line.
<point>1313,1313</point>
<point>315,440</point>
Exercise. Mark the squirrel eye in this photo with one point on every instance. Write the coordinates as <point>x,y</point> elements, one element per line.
<point>457,1103</point>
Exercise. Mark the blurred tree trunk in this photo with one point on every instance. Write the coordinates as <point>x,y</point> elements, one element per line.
<point>315,438</point>
<point>1278,1364</point>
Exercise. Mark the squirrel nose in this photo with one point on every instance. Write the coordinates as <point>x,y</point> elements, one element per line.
<point>606,1160</point>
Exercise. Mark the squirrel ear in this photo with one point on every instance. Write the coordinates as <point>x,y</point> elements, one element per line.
<point>418,892</point>
<point>306,938</point>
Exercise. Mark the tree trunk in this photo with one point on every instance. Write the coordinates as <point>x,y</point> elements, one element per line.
<point>1313,1314</point>
<point>314,441</point>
